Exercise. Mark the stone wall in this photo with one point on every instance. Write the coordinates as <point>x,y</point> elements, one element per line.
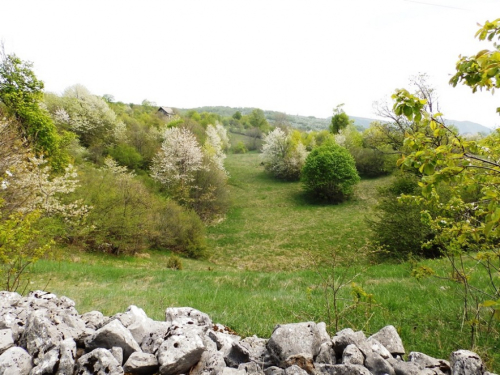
<point>44,334</point>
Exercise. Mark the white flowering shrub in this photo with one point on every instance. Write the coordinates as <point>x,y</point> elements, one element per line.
<point>193,175</point>
<point>283,154</point>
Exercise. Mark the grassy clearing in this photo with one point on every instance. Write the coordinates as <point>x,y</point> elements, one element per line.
<point>261,274</point>
<point>272,227</point>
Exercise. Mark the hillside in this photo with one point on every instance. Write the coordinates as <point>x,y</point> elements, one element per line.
<point>315,123</point>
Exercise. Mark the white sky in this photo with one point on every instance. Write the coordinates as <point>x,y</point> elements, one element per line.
<point>298,57</point>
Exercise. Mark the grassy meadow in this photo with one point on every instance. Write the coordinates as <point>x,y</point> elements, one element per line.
<point>270,259</point>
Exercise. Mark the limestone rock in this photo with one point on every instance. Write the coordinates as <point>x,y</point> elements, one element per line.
<point>67,352</point>
<point>326,354</point>
<point>94,320</point>
<point>6,339</point>
<point>465,362</point>
<point>47,362</point>
<point>378,365</point>
<point>153,340</point>
<point>378,348</point>
<point>352,356</point>
<point>389,338</point>
<point>187,316</point>
<point>291,339</point>
<point>179,352</point>
<point>440,366</point>
<point>342,370</point>
<point>114,334</point>
<point>406,368</point>
<point>141,363</point>
<point>251,368</point>
<point>210,363</point>
<point>345,337</point>
<point>295,370</point>
<point>15,360</point>
<point>98,362</point>
<point>273,370</point>
<point>117,352</point>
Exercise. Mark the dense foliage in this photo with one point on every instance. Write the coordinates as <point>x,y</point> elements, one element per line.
<point>329,173</point>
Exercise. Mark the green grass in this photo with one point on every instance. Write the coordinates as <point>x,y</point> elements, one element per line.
<point>272,227</point>
<point>261,272</point>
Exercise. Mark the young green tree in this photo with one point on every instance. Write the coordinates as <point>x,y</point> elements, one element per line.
<point>21,93</point>
<point>467,223</point>
<point>340,120</point>
<point>329,173</point>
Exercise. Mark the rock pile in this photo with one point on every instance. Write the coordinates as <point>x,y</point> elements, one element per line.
<point>43,334</point>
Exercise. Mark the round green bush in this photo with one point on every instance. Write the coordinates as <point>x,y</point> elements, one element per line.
<point>329,173</point>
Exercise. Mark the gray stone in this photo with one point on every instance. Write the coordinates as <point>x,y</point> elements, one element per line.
<point>326,354</point>
<point>325,337</point>
<point>46,363</point>
<point>295,370</point>
<point>378,365</point>
<point>114,334</point>
<point>378,348</point>
<point>352,355</point>
<point>465,362</point>
<point>273,370</point>
<point>406,368</point>
<point>440,366</point>
<point>6,339</point>
<point>67,352</point>
<point>342,370</point>
<point>346,337</point>
<point>94,320</point>
<point>187,316</point>
<point>98,362</point>
<point>257,350</point>
<point>117,352</point>
<point>389,338</point>
<point>251,368</point>
<point>141,363</point>
<point>8,299</point>
<point>152,342</point>
<point>236,355</point>
<point>290,339</point>
<point>40,334</point>
<point>141,326</point>
<point>222,339</point>
<point>232,371</point>
<point>210,363</point>
<point>15,361</point>
<point>179,352</point>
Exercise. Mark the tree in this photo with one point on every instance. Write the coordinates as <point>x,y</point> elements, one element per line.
<point>467,223</point>
<point>283,154</point>
<point>21,92</point>
<point>329,173</point>
<point>257,119</point>
<point>340,120</point>
<point>176,163</point>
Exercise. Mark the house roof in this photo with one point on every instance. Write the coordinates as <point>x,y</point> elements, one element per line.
<point>167,110</point>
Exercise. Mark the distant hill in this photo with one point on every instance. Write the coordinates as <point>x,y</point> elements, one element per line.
<point>315,123</point>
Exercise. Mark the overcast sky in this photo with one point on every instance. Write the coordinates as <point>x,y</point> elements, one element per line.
<point>297,57</point>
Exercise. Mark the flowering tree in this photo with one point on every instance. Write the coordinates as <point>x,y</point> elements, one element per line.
<point>284,154</point>
<point>179,158</point>
<point>213,146</point>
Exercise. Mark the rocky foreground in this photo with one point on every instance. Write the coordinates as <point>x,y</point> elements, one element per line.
<point>44,334</point>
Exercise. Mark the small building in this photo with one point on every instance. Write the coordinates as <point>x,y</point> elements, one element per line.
<point>166,111</point>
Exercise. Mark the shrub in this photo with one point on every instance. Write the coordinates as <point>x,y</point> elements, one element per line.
<point>240,148</point>
<point>372,163</point>
<point>180,230</point>
<point>127,156</point>
<point>174,263</point>
<point>329,173</point>
<point>396,224</point>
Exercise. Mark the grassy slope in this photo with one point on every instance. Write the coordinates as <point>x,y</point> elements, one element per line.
<point>244,286</point>
<point>271,226</point>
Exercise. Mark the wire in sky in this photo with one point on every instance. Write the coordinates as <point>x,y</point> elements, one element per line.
<point>435,5</point>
